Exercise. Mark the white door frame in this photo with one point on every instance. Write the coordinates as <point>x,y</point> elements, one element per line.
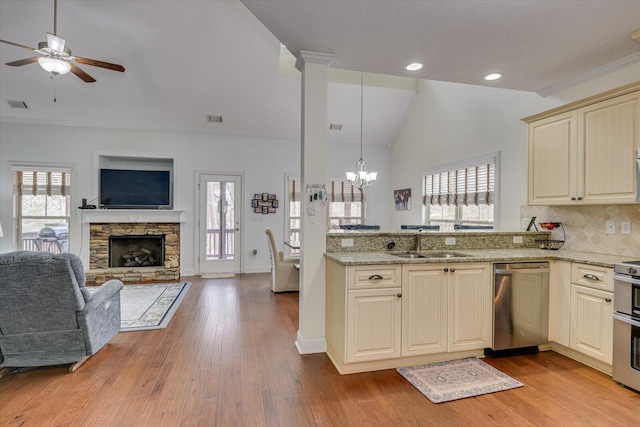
<point>239,241</point>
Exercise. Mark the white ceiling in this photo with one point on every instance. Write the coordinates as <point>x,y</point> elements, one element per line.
<point>186,59</point>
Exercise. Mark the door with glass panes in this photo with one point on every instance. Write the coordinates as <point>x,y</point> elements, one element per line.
<point>219,228</point>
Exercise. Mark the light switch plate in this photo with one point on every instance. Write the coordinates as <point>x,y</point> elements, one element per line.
<point>610,227</point>
<point>517,239</point>
<point>347,243</point>
<point>625,227</point>
<point>450,241</point>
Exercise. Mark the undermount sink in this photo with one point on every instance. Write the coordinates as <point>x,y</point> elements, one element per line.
<point>414,255</point>
<point>446,255</point>
<point>410,255</point>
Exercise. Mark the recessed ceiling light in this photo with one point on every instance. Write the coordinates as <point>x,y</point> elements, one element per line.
<point>493,76</point>
<point>415,66</point>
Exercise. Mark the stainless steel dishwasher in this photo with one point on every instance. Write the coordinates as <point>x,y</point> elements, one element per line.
<point>520,306</point>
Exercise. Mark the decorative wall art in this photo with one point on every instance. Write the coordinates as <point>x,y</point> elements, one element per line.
<point>402,199</point>
<point>264,203</point>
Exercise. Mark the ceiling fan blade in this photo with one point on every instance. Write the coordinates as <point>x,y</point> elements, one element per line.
<point>23,62</point>
<point>102,64</point>
<point>80,73</point>
<point>17,45</point>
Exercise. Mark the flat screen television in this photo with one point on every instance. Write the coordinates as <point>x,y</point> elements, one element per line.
<point>135,189</point>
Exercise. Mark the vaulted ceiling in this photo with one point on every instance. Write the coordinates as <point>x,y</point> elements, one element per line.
<point>188,59</point>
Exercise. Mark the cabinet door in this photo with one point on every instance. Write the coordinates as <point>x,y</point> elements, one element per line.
<point>424,310</point>
<point>470,306</point>
<point>591,322</point>
<point>553,167</point>
<point>373,324</point>
<point>559,302</point>
<point>609,132</point>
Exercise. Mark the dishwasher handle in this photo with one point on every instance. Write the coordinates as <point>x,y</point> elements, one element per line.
<point>522,270</point>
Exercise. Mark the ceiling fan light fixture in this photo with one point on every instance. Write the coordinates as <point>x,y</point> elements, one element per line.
<point>54,66</point>
<point>54,42</point>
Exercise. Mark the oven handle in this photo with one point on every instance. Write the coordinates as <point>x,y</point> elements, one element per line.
<point>625,318</point>
<point>628,279</point>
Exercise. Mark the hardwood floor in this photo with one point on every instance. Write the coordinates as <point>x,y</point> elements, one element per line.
<point>228,359</point>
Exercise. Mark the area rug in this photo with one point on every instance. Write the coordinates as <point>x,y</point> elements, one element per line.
<point>457,379</point>
<point>146,307</point>
<point>218,275</point>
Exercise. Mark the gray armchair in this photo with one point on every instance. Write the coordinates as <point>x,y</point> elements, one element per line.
<point>47,316</point>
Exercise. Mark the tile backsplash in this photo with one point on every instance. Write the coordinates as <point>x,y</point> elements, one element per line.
<point>585,227</point>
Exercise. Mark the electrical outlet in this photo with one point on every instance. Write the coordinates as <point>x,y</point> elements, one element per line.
<point>518,239</point>
<point>610,227</point>
<point>347,243</point>
<point>625,227</point>
<point>449,241</point>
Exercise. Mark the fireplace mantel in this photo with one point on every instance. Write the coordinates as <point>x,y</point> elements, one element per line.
<point>131,215</point>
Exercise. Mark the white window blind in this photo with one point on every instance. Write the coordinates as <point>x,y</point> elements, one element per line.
<point>41,181</point>
<point>472,185</point>
<point>337,191</point>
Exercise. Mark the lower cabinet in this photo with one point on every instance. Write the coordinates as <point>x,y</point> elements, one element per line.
<point>591,323</point>
<point>445,308</point>
<point>580,308</point>
<point>380,313</point>
<point>373,324</point>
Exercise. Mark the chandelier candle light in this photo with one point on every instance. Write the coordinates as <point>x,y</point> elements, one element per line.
<point>361,178</point>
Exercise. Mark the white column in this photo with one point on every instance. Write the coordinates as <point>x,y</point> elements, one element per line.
<point>314,67</point>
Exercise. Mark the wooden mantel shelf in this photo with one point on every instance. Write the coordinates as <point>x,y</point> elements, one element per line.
<point>131,215</point>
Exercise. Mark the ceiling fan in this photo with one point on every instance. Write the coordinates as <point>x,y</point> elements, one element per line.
<point>57,59</point>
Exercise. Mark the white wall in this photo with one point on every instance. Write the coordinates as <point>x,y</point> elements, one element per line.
<point>264,163</point>
<point>452,121</point>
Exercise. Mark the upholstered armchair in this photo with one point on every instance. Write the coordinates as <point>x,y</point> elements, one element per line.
<point>47,316</point>
<point>284,272</point>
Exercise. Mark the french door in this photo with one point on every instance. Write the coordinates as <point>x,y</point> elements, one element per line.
<point>220,213</point>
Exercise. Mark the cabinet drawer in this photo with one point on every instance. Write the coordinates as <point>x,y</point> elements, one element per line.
<point>592,276</point>
<point>369,277</point>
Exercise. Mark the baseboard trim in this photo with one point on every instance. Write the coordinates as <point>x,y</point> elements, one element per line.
<point>311,346</point>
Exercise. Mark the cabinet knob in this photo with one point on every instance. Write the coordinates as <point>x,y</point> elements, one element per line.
<point>453,270</point>
<point>573,198</point>
<point>446,269</point>
<point>607,299</point>
<point>399,294</point>
<point>375,277</point>
<point>579,198</point>
<point>591,277</point>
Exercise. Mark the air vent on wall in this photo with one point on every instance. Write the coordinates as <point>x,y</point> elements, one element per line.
<point>214,119</point>
<point>17,104</point>
<point>335,126</point>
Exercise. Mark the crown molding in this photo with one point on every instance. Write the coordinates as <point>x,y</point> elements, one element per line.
<point>307,57</point>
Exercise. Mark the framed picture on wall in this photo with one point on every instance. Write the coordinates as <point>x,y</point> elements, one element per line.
<point>402,199</point>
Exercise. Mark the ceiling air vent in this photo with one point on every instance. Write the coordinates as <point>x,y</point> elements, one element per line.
<point>214,119</point>
<point>18,104</point>
<point>335,126</point>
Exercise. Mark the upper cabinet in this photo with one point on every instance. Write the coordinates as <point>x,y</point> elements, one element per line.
<point>584,153</point>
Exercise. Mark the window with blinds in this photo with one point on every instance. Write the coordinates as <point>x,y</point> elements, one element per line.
<point>42,198</point>
<point>461,195</point>
<point>346,206</point>
<point>474,185</point>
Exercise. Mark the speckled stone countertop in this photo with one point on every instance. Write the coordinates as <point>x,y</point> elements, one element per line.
<point>477,255</point>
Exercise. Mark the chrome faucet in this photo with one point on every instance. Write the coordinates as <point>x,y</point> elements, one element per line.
<point>418,241</point>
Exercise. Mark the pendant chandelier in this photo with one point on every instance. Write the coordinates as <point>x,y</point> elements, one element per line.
<point>361,178</point>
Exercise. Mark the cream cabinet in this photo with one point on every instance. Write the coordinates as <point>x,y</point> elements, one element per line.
<point>591,322</point>
<point>445,308</point>
<point>585,155</point>
<point>580,308</point>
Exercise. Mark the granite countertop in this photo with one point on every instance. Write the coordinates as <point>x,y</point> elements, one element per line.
<point>478,255</point>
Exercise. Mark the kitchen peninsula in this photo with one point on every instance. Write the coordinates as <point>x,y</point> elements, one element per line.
<point>388,305</point>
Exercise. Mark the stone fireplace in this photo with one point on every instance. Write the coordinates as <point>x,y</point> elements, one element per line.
<point>151,227</point>
<point>136,251</point>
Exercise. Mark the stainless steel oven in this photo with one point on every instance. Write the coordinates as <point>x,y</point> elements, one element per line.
<point>626,324</point>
